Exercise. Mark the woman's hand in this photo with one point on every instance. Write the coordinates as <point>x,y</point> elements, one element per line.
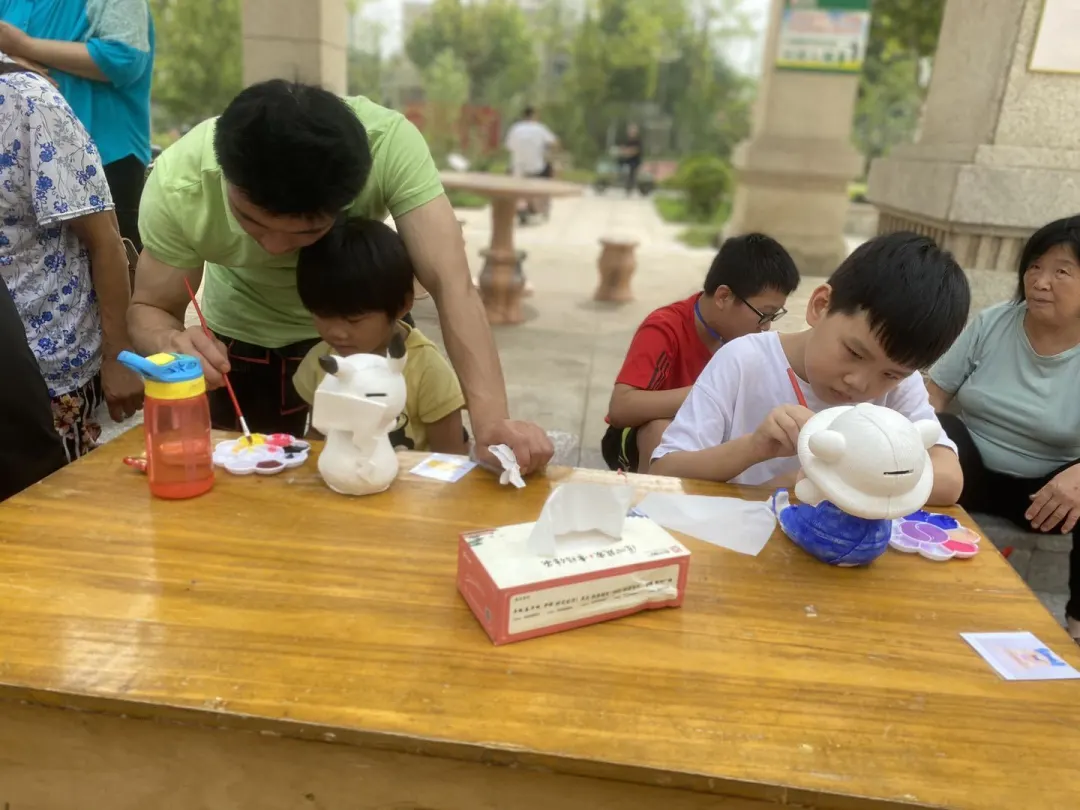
<point>1056,502</point>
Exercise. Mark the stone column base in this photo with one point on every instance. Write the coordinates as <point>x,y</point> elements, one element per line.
<point>974,246</point>
<point>981,203</point>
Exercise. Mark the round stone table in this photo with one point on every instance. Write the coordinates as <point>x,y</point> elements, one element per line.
<point>501,286</point>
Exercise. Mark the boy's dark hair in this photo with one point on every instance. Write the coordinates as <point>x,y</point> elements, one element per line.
<point>293,149</point>
<point>915,296</point>
<point>751,264</point>
<point>1059,232</point>
<point>360,266</point>
<point>528,112</point>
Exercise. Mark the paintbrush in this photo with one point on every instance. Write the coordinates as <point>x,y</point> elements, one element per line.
<point>228,385</point>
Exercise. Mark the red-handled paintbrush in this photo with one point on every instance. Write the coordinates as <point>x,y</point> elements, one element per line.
<point>228,385</point>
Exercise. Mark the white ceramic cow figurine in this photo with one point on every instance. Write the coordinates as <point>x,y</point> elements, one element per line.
<point>356,406</point>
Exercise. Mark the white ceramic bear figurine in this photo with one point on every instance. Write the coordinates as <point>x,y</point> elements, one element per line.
<point>869,461</point>
<point>356,406</point>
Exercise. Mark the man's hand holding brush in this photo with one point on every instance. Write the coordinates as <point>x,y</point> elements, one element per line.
<point>207,349</point>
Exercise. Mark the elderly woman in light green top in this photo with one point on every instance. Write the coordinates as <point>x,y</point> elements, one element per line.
<point>1013,378</point>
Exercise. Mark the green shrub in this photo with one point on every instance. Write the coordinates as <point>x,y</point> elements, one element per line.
<point>671,209</point>
<point>705,181</point>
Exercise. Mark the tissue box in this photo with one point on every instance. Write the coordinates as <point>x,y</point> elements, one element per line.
<point>517,595</point>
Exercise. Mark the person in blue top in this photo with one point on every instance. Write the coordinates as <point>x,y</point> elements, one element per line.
<point>100,53</point>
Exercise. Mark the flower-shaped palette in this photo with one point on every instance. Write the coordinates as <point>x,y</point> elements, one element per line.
<point>263,455</point>
<point>933,536</point>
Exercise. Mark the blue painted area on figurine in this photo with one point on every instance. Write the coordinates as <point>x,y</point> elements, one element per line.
<point>831,535</point>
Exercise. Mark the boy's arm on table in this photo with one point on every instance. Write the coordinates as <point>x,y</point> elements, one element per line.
<point>720,463</point>
<point>948,477</point>
<point>693,445</point>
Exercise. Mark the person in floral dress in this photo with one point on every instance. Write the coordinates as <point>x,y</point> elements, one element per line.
<point>61,256</point>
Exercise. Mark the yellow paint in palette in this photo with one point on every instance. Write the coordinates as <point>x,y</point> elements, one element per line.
<point>256,440</point>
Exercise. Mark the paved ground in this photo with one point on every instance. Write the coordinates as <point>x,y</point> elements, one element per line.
<point>560,364</point>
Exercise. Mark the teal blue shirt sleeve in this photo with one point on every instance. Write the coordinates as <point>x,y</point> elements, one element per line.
<point>955,366</point>
<point>122,64</point>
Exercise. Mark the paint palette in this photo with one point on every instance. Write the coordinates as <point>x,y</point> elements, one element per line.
<point>934,536</point>
<point>263,455</point>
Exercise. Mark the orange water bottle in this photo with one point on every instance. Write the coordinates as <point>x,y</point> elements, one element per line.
<point>179,455</point>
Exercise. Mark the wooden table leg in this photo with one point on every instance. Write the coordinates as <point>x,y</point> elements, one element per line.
<point>500,287</point>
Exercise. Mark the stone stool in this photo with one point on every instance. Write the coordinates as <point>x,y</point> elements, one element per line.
<point>519,271</point>
<point>616,265</point>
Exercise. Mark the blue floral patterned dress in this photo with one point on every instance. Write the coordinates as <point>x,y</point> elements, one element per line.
<point>50,174</point>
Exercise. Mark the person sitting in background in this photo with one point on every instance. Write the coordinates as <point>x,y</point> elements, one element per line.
<point>357,282</point>
<point>528,142</point>
<point>62,258</point>
<point>1013,378</point>
<point>893,307</point>
<point>745,291</point>
<point>101,55</point>
<point>631,153</point>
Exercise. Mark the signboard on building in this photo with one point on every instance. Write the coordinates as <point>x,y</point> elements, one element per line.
<point>1055,48</point>
<point>825,36</point>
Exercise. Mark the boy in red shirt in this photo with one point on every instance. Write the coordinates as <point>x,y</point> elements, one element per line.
<point>745,291</point>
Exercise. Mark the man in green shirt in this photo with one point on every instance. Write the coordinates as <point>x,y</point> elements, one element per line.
<point>241,194</point>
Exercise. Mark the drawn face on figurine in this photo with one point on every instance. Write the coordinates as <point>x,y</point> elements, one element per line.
<point>362,394</point>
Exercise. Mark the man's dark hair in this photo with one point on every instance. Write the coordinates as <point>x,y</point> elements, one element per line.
<point>1060,232</point>
<point>528,112</point>
<point>915,296</point>
<point>293,149</point>
<point>360,266</point>
<point>751,264</point>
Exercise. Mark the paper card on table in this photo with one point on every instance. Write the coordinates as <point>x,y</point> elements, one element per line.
<point>743,526</point>
<point>575,509</point>
<point>443,467</point>
<point>1020,657</point>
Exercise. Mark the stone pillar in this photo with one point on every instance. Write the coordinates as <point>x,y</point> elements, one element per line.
<point>302,40</point>
<point>999,152</point>
<point>793,173</point>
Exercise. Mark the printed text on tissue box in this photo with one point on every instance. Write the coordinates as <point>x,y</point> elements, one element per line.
<point>568,603</point>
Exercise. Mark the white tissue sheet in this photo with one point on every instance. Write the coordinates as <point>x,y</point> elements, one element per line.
<point>574,509</point>
<point>732,523</point>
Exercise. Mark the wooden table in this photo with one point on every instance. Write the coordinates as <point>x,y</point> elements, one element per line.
<point>501,287</point>
<point>273,645</point>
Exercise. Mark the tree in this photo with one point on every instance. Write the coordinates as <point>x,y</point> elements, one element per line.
<point>446,86</point>
<point>902,34</point>
<point>199,64</point>
<point>910,26</point>
<point>664,54</point>
<point>489,39</point>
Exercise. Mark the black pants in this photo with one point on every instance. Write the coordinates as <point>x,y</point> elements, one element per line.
<point>631,167</point>
<point>1006,496</point>
<point>126,178</point>
<point>262,380</point>
<point>30,447</point>
<point>619,449</point>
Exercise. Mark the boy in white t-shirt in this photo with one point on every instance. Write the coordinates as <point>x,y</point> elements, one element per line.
<point>892,308</point>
